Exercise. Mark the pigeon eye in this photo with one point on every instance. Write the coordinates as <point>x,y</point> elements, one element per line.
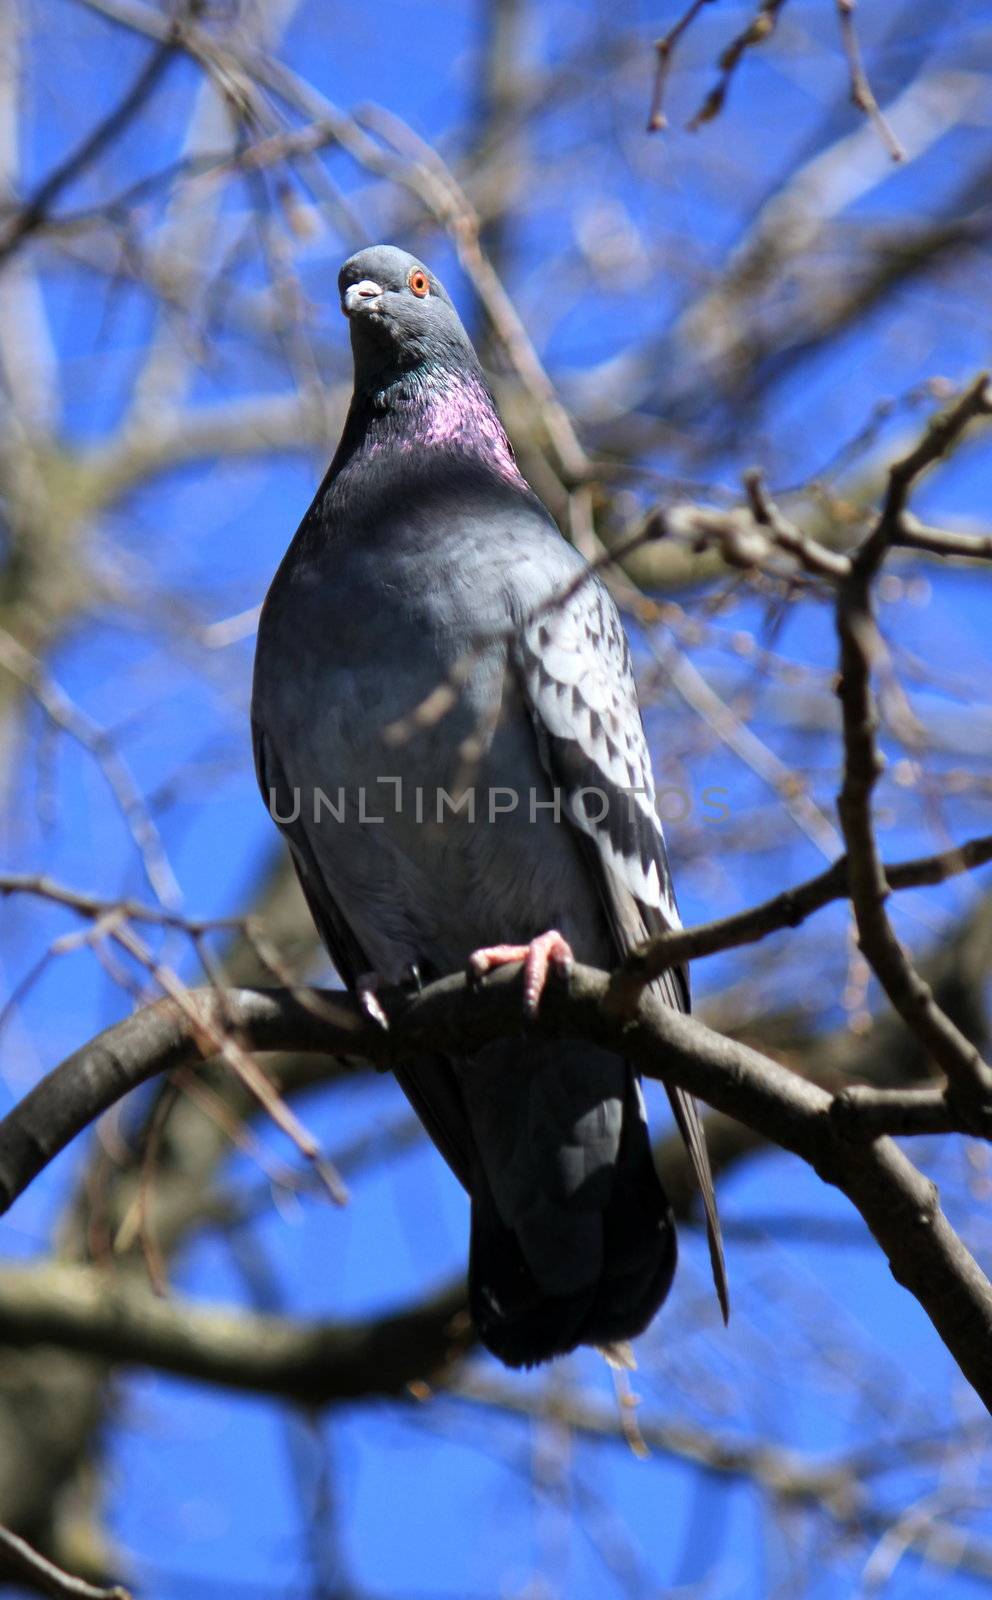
<point>418,283</point>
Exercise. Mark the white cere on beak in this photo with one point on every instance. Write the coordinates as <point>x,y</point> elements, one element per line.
<point>357,292</point>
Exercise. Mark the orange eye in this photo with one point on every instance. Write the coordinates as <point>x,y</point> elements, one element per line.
<point>418,283</point>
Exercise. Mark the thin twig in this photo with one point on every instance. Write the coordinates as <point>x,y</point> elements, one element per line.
<point>35,210</point>
<point>812,555</point>
<point>786,910</point>
<point>62,711</point>
<point>665,49</point>
<point>23,1562</point>
<point>759,29</point>
<point>861,91</point>
<point>223,1042</point>
<point>942,433</point>
<point>94,906</point>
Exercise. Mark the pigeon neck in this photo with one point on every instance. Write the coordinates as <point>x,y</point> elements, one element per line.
<point>428,409</point>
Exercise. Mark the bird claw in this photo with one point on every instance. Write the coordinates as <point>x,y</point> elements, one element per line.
<point>368,999</point>
<point>547,950</point>
<point>619,1355</point>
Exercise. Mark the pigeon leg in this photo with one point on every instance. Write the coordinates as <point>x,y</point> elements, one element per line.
<point>366,987</point>
<point>547,949</point>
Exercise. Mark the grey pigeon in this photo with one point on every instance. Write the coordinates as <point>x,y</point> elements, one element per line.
<point>446,729</point>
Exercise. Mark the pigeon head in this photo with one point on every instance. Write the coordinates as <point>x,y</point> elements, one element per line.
<point>419,387</point>
<point>401,317</point>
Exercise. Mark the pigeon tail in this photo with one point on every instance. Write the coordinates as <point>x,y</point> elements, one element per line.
<point>620,1259</point>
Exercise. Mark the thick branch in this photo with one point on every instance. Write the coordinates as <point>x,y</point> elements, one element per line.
<point>169,1035</point>
<point>82,1309</point>
<point>867,1111</point>
<point>898,1204</point>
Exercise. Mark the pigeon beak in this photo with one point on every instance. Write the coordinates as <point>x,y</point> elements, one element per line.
<point>357,293</point>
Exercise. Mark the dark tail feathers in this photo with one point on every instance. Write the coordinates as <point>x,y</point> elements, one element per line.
<point>523,1324</point>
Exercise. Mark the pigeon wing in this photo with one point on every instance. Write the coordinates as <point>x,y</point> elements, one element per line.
<point>573,661</point>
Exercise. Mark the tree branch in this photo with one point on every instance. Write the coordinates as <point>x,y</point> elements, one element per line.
<point>968,1074</point>
<point>85,1310</point>
<point>862,94</point>
<point>913,535</point>
<point>785,910</point>
<point>899,1206</point>
<point>22,1562</point>
<point>836,1485</point>
<point>34,211</point>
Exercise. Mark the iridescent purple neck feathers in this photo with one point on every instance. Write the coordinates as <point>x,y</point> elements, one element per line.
<point>457,411</point>
<point>430,409</point>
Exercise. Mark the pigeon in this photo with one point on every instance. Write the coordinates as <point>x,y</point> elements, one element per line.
<point>446,730</point>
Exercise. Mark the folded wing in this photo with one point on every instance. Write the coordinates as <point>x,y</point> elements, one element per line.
<point>575,669</point>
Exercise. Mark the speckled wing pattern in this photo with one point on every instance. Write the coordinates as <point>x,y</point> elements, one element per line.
<point>575,667</point>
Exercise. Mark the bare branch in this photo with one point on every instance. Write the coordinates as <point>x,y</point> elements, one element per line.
<point>35,210</point>
<point>22,1562</point>
<point>834,1485</point>
<point>221,1039</point>
<point>969,1075</point>
<point>942,433</point>
<point>786,910</point>
<point>665,49</point>
<point>861,91</point>
<point>96,906</point>
<point>913,535</point>
<point>66,715</point>
<point>759,29</point>
<point>812,555</point>
<point>898,1204</point>
<point>315,1363</point>
<point>866,1112</point>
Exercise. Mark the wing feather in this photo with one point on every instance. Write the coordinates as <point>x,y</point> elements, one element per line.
<point>574,664</point>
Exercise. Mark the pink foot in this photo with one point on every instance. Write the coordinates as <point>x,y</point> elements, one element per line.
<point>549,948</point>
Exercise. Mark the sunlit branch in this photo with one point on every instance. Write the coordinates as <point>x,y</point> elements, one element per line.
<point>898,1204</point>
